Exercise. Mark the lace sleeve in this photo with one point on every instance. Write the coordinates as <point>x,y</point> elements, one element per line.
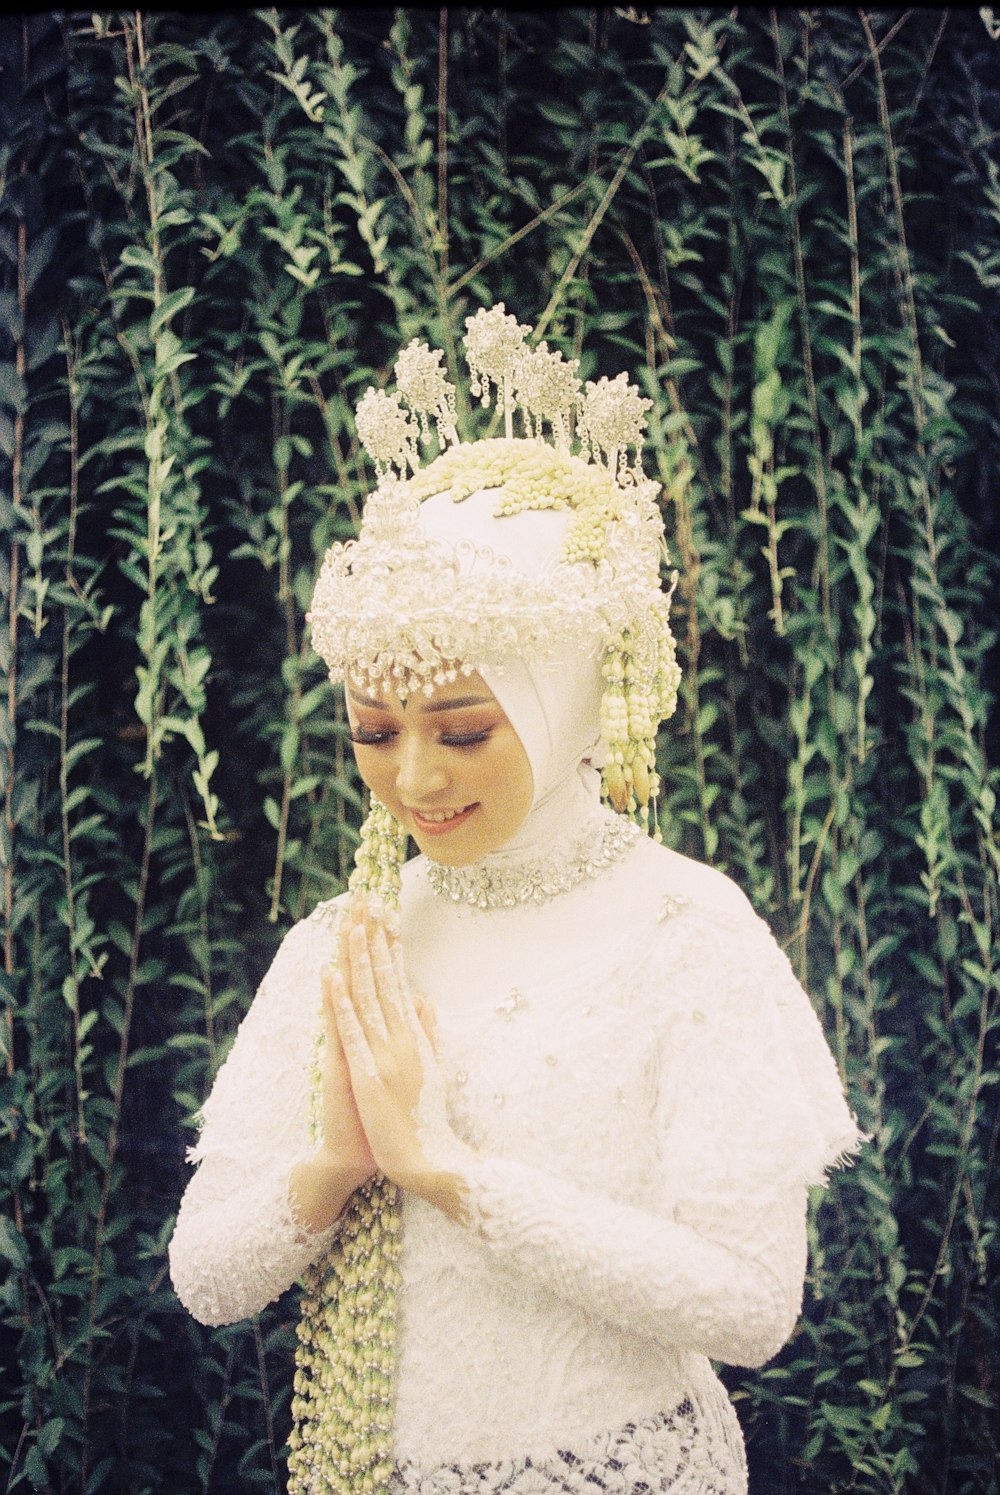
<point>237,1244</point>
<point>749,1112</point>
<point>734,1298</point>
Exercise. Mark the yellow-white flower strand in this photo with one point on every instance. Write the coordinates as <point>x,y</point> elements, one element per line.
<point>341,1440</point>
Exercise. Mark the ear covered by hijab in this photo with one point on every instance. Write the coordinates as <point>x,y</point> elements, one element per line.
<point>553,703</point>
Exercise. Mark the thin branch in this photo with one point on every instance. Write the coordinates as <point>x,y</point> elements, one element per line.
<point>442,139</point>
<point>856,73</point>
<point>601,209</point>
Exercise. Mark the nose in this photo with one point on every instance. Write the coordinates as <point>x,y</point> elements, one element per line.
<point>421,772</point>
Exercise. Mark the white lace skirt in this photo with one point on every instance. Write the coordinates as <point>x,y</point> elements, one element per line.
<point>696,1449</point>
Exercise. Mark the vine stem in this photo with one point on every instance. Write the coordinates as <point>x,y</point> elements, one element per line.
<point>114,1131</point>
<point>198,864</point>
<point>461,281</point>
<point>20,363</point>
<point>610,192</point>
<point>819,473</point>
<point>17,498</point>
<point>281,423</point>
<point>272,1447</point>
<point>442,141</point>
<point>67,843</point>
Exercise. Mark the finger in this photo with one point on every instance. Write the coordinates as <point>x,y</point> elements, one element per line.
<point>391,992</point>
<point>388,917</point>
<point>425,1013</point>
<point>350,1033</point>
<point>343,946</point>
<point>357,913</point>
<point>363,910</point>
<point>377,914</point>
<point>364,988</point>
<point>329,975</point>
<point>396,951</point>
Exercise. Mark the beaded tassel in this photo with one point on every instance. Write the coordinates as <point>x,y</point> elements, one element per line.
<point>341,1441</point>
<point>637,696</point>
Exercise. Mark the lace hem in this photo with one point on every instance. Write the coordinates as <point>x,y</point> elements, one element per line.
<point>693,1450</point>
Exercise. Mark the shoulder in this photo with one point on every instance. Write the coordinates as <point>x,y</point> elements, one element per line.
<point>700,927</point>
<point>674,886</point>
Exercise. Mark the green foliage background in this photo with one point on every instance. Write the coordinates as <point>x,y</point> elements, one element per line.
<point>215,232</point>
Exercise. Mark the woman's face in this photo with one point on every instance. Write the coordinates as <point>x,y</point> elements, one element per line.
<point>450,766</point>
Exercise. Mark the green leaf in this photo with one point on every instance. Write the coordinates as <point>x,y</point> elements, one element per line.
<point>12,1244</point>
<point>169,307</point>
<point>138,258</point>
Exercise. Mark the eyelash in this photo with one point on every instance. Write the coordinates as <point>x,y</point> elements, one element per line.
<point>380,739</point>
<point>464,739</point>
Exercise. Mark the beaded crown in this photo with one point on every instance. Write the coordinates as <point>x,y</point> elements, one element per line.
<point>402,607</point>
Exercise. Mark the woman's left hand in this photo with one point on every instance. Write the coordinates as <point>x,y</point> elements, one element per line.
<point>397,1083</point>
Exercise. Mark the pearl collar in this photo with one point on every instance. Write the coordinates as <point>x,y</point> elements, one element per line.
<point>501,882</point>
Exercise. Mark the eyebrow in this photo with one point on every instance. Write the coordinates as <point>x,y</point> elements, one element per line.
<point>361,700</point>
<point>458,703</point>
<point>431,705</point>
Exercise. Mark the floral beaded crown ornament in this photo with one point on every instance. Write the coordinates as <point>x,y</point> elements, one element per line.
<point>398,606</point>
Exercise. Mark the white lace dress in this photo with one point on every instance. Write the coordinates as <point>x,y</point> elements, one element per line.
<point>648,1094</point>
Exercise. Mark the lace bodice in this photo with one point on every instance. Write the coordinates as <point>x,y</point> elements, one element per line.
<point>648,1093</point>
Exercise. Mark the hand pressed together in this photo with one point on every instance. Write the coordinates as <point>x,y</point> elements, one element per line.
<point>396,1082</point>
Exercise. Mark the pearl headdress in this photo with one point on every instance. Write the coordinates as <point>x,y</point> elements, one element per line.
<point>401,607</point>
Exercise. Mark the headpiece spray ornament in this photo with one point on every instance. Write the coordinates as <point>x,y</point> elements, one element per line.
<point>402,608</point>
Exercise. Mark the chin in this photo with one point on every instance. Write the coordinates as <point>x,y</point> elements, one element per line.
<point>453,857</point>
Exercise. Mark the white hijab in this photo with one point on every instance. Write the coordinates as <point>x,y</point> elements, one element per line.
<point>553,703</point>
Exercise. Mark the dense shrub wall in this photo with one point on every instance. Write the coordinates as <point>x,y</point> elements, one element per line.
<point>215,232</point>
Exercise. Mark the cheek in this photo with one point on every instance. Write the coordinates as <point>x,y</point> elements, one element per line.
<point>512,780</point>
<point>372,767</point>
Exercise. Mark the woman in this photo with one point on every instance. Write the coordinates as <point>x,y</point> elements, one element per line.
<point>593,1130</point>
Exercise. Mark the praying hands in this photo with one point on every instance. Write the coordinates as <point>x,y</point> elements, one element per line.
<point>383,1033</point>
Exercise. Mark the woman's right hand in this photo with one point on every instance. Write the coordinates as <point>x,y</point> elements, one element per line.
<point>321,1185</point>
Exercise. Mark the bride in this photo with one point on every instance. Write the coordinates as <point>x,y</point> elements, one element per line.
<point>534,1114</point>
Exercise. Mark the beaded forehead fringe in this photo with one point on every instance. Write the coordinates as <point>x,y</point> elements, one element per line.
<point>398,609</point>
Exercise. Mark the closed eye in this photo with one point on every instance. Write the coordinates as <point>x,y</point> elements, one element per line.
<point>371,737</point>
<point>464,739</point>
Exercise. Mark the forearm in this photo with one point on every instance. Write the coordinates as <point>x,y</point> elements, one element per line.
<point>238,1244</point>
<point>319,1189</point>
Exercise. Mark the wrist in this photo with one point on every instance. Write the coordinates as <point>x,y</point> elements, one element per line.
<point>330,1165</point>
<point>443,1185</point>
<point>319,1188</point>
